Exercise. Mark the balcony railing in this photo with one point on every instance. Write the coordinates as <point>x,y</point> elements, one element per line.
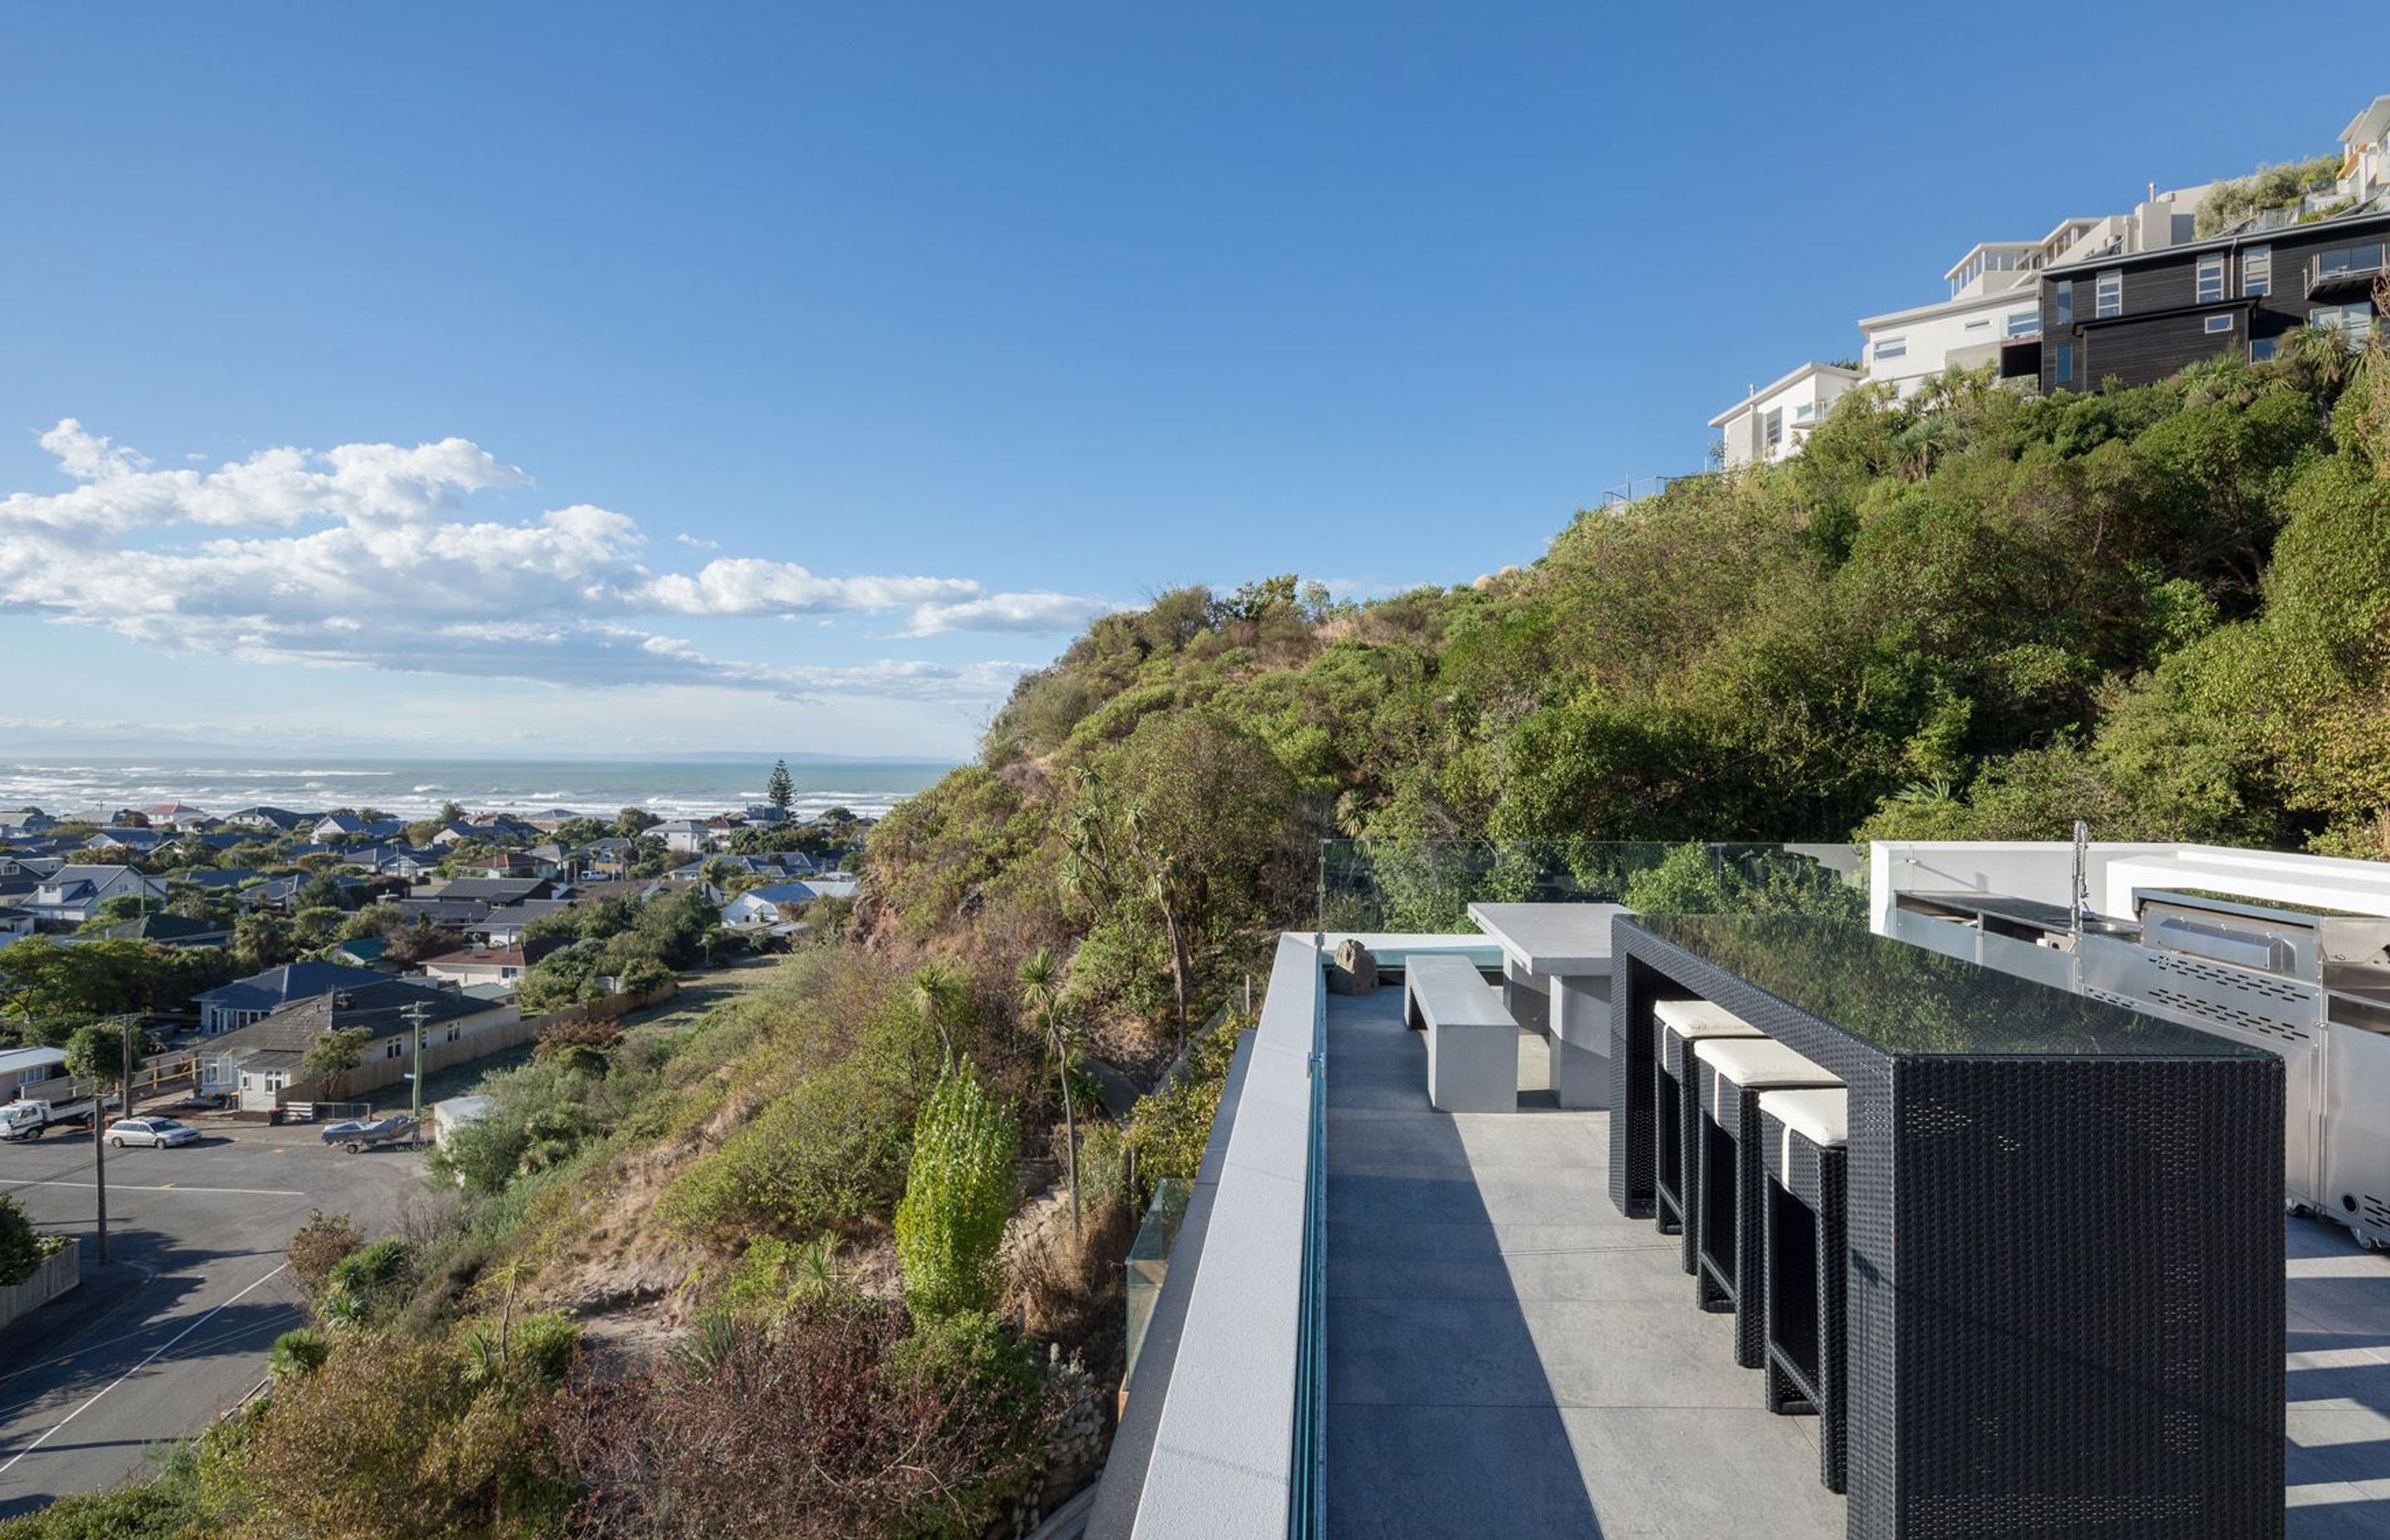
<point>1425,886</point>
<point>2343,271</point>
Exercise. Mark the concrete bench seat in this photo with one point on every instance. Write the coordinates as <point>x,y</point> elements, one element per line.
<point>1472,1040</point>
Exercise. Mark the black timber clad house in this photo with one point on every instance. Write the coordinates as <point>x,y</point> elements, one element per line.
<point>2137,319</point>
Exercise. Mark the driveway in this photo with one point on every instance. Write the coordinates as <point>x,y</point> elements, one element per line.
<point>174,1328</point>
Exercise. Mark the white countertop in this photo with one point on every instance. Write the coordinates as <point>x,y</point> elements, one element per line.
<point>1551,940</point>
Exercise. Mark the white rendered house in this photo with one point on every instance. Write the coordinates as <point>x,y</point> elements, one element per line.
<point>1772,423</point>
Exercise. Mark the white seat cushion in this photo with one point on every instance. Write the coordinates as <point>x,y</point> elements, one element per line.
<point>1748,1061</point>
<point>1696,1019</point>
<point>1822,1117</point>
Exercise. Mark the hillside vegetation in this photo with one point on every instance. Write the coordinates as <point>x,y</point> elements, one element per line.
<point>807,1264</point>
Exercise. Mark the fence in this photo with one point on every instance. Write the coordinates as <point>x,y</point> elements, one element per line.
<point>59,1272</point>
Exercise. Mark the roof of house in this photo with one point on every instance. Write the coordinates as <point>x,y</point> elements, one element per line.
<point>18,1061</point>
<point>99,875</point>
<point>782,893</point>
<point>502,915</point>
<point>1786,383</point>
<point>2370,120</point>
<point>278,986</point>
<point>477,956</point>
<point>495,890</point>
<point>282,817</point>
<point>166,928</point>
<point>379,1005</point>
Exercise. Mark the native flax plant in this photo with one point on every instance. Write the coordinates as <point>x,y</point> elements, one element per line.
<point>1041,1002</point>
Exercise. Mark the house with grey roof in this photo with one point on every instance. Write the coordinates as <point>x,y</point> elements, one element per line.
<point>266,820</point>
<point>73,894</point>
<point>263,1063</point>
<point>167,929</point>
<point>229,1008</point>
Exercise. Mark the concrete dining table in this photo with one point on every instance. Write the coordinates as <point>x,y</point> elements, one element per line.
<point>1556,980</point>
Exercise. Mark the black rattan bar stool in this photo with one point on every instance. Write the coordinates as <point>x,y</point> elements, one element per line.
<point>1804,1138</point>
<point>1676,1121</point>
<point>1728,1247</point>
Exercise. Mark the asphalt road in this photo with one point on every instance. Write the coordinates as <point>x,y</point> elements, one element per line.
<point>175,1328</point>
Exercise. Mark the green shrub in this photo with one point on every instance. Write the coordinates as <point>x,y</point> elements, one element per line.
<point>21,1249</point>
<point>298,1351</point>
<point>957,1195</point>
<point>826,1155</point>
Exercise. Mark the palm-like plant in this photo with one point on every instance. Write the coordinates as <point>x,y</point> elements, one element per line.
<point>937,992</point>
<point>1041,1002</point>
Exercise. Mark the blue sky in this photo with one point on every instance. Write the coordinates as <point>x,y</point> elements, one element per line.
<point>939,328</point>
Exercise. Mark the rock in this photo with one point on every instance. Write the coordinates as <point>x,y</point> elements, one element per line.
<point>1355,971</point>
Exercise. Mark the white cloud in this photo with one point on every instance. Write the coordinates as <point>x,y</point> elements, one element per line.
<point>1041,611</point>
<point>361,556</point>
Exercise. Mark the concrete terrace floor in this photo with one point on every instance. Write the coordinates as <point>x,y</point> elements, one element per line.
<point>1508,1355</point>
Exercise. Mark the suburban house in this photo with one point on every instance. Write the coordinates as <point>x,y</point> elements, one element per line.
<point>2139,317</point>
<point>231,1007</point>
<point>14,924</point>
<point>140,842</point>
<point>504,925</point>
<point>264,1061</point>
<point>487,965</point>
<point>174,815</point>
<point>494,890</point>
<point>684,836</point>
<point>72,893</point>
<point>170,931</point>
<point>364,952</point>
<point>25,821</point>
<point>24,1067</point>
<point>762,907</point>
<point>264,820</point>
<point>834,884</point>
<point>348,826</point>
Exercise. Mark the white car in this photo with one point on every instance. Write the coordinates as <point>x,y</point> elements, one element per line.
<point>156,1133</point>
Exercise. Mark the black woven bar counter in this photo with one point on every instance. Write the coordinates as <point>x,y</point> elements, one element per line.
<point>2065,1257</point>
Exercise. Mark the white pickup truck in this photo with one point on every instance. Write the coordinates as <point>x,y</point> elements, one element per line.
<point>30,1120</point>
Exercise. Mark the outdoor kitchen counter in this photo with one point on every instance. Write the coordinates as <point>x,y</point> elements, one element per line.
<point>2065,1230</point>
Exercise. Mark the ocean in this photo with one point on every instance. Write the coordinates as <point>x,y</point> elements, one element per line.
<point>83,785</point>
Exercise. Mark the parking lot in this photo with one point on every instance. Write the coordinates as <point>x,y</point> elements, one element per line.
<point>175,1328</point>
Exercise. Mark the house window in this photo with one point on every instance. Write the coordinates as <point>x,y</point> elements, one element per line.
<point>2354,322</point>
<point>2061,363</point>
<point>2063,302</point>
<point>1774,427</point>
<point>1891,347</point>
<point>2025,323</point>
<point>2260,348</point>
<point>2218,323</point>
<point>455,1033</point>
<point>2256,271</point>
<point>395,1049</point>
<point>2348,259</point>
<point>2108,296</point>
<point>2210,281</point>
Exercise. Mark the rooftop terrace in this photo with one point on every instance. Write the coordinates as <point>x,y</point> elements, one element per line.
<point>1506,1354</point>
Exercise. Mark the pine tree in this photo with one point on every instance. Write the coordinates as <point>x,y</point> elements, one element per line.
<point>779,791</point>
